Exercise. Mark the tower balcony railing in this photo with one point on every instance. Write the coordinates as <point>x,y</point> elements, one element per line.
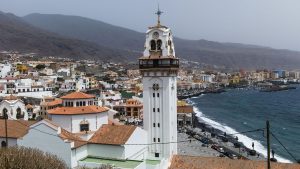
<point>158,63</point>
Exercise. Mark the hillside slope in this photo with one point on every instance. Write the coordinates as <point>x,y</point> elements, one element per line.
<point>222,54</point>
<point>15,34</point>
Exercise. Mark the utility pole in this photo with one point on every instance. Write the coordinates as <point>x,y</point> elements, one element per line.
<point>268,143</point>
<point>5,121</point>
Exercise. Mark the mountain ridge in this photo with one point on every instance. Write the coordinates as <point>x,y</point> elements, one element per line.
<point>17,34</point>
<point>233,55</point>
<point>83,38</point>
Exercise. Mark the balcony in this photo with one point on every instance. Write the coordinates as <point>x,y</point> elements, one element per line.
<point>158,63</point>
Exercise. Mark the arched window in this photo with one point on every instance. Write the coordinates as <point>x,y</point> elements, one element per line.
<point>159,43</point>
<point>3,144</point>
<point>19,115</point>
<point>4,113</point>
<point>153,45</point>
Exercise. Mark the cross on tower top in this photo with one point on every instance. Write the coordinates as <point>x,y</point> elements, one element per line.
<point>158,13</point>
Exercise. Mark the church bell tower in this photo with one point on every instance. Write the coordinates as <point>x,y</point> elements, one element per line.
<point>159,68</point>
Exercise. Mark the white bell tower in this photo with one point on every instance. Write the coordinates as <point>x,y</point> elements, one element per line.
<point>159,68</point>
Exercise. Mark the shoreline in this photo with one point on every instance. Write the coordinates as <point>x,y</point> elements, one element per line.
<point>209,125</point>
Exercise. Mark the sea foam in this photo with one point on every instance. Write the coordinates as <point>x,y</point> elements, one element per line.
<point>247,141</point>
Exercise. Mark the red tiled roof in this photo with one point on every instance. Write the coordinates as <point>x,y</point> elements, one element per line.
<point>29,106</point>
<point>185,109</point>
<point>10,97</point>
<point>54,102</point>
<point>77,110</point>
<point>15,128</point>
<point>78,142</point>
<point>65,135</point>
<point>78,95</point>
<point>112,134</point>
<point>197,162</point>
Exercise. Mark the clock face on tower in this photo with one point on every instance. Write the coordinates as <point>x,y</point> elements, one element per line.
<point>155,35</point>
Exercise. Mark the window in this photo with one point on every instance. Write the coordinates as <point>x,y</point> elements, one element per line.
<point>19,115</point>
<point>4,113</point>
<point>158,125</point>
<point>77,104</point>
<point>153,45</point>
<point>3,144</point>
<point>84,127</point>
<point>157,109</point>
<point>158,140</point>
<point>159,43</point>
<point>153,94</point>
<point>154,140</point>
<point>156,154</point>
<point>157,94</point>
<point>153,109</point>
<point>153,124</point>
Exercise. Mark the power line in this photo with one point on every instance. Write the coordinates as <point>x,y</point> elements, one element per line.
<point>284,147</point>
<point>248,131</point>
<point>189,140</point>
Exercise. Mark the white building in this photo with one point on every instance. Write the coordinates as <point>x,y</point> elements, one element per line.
<point>159,68</point>
<point>79,114</point>
<point>65,72</point>
<point>119,145</point>
<point>4,69</point>
<point>207,78</point>
<point>110,98</point>
<point>13,107</point>
<point>55,140</point>
<point>16,129</point>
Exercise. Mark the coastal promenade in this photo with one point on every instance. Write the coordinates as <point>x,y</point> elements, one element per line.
<point>204,149</point>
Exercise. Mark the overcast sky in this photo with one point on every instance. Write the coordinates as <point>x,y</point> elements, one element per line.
<point>274,23</point>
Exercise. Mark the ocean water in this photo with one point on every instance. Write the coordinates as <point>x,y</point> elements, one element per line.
<point>240,110</point>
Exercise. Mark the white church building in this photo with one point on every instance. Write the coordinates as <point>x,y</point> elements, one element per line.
<point>80,133</point>
<point>13,107</point>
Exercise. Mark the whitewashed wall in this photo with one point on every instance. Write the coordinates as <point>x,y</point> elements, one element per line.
<point>47,143</point>
<point>106,151</point>
<point>11,141</point>
<point>137,152</point>
<point>72,122</point>
<point>79,154</point>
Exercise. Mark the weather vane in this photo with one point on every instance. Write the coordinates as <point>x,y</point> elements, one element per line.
<point>158,13</point>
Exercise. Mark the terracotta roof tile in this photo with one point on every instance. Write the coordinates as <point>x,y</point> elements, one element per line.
<point>54,102</point>
<point>29,106</point>
<point>78,142</point>
<point>185,109</point>
<point>77,110</point>
<point>15,128</point>
<point>112,134</point>
<point>114,122</point>
<point>197,162</point>
<point>10,97</point>
<point>78,95</point>
<point>65,135</point>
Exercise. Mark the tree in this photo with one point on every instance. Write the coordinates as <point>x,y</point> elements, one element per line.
<point>40,66</point>
<point>22,157</point>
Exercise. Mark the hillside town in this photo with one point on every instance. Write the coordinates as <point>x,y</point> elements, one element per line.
<point>92,113</point>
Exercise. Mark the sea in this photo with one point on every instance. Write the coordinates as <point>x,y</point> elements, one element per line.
<point>238,110</point>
